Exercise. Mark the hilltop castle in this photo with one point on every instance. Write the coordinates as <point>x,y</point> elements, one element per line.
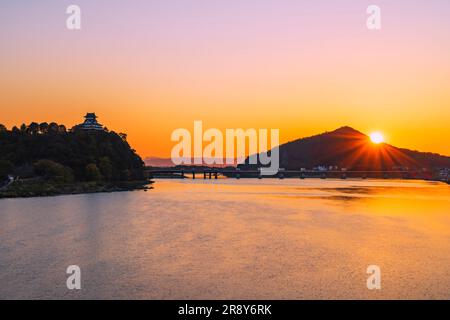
<point>90,123</point>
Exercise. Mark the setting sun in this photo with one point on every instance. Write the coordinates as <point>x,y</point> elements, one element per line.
<point>376,137</point>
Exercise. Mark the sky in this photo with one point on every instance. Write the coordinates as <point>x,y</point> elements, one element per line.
<point>303,67</point>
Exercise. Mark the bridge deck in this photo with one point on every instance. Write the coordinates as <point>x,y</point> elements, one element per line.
<point>210,173</point>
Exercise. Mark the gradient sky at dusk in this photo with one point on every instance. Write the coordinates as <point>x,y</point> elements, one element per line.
<point>149,67</point>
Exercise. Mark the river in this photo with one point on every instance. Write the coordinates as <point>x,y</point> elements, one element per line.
<point>231,239</point>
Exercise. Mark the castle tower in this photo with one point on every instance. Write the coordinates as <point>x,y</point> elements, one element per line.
<point>90,123</point>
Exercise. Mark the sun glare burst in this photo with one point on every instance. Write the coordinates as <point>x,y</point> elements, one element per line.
<point>377,137</point>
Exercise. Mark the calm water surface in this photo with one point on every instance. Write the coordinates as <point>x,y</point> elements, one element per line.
<point>231,239</point>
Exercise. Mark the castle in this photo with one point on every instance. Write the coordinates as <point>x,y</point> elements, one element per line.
<point>90,123</point>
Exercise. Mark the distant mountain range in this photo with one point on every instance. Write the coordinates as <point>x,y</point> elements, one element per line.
<point>351,149</point>
<point>158,162</point>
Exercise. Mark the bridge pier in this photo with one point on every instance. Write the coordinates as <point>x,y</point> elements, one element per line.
<point>193,175</point>
<point>343,176</point>
<point>215,175</point>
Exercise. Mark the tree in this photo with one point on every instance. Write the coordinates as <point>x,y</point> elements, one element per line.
<point>125,175</point>
<point>6,168</point>
<point>23,128</point>
<point>33,128</point>
<point>53,128</point>
<point>3,128</point>
<point>123,136</point>
<point>62,128</point>
<point>53,170</point>
<point>106,168</point>
<point>43,128</point>
<point>93,173</point>
<point>115,160</point>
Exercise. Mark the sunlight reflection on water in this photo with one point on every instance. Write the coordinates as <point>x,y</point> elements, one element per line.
<point>231,239</point>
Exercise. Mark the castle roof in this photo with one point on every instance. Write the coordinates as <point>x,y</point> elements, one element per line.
<point>90,123</point>
<point>90,115</point>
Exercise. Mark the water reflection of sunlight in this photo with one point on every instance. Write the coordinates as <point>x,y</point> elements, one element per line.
<point>247,239</point>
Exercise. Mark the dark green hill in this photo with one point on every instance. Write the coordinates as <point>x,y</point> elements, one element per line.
<point>351,149</point>
<point>50,154</point>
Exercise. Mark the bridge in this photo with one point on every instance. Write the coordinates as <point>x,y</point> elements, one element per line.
<point>215,173</point>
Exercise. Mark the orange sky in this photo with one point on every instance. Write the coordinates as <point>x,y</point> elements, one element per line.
<point>149,69</point>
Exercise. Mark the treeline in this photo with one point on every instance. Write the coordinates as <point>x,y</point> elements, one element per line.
<point>50,151</point>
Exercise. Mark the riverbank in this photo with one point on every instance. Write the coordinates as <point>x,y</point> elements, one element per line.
<point>42,188</point>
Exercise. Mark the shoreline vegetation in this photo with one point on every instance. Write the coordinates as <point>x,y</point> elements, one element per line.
<point>45,159</point>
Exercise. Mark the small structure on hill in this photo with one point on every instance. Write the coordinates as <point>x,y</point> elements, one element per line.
<point>90,123</point>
